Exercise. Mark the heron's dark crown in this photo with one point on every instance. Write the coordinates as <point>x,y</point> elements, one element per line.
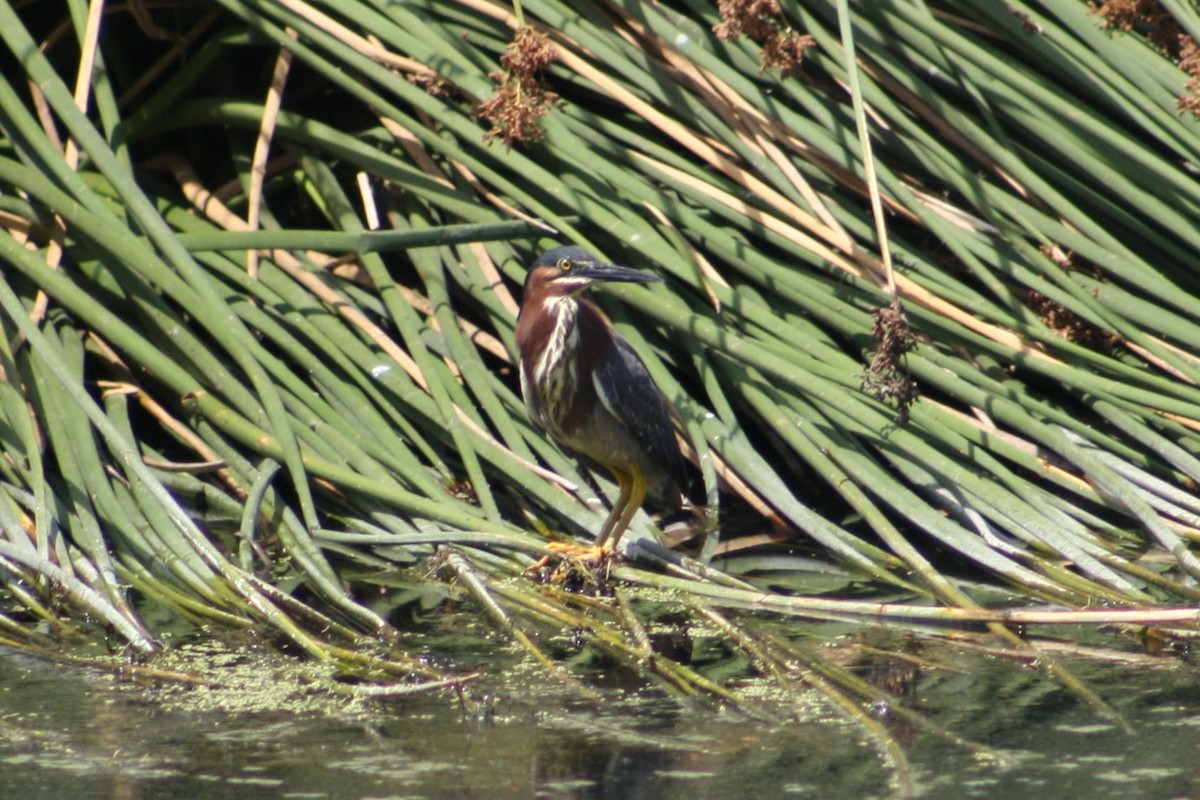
<point>576,255</point>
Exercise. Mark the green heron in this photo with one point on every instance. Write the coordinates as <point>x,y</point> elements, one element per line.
<point>587,388</point>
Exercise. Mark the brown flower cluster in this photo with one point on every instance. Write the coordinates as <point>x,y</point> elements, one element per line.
<point>1069,325</point>
<point>885,377</point>
<point>1149,18</point>
<point>1061,319</point>
<point>762,22</point>
<point>521,98</point>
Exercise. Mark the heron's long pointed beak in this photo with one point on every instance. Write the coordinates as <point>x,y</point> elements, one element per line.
<point>599,271</point>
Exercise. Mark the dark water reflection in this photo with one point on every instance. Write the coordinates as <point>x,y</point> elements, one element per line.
<point>68,732</point>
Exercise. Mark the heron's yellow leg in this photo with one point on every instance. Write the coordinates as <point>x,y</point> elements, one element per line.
<point>633,493</point>
<point>625,482</point>
<point>614,522</point>
<point>629,499</point>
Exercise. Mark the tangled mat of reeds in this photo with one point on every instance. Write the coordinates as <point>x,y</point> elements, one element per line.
<point>261,259</point>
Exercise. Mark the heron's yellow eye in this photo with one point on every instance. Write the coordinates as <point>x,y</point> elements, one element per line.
<point>564,264</point>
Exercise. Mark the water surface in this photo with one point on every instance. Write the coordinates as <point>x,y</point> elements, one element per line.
<point>273,730</point>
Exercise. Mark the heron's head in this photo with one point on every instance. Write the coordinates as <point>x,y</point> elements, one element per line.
<point>569,270</point>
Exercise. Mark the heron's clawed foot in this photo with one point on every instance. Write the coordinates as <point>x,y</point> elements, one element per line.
<point>581,568</point>
<point>590,553</point>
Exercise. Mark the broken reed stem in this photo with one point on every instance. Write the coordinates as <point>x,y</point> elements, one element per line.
<point>821,608</point>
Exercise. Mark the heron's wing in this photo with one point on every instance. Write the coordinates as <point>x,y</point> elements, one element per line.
<point>628,392</point>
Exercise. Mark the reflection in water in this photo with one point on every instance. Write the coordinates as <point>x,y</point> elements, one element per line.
<point>75,733</point>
